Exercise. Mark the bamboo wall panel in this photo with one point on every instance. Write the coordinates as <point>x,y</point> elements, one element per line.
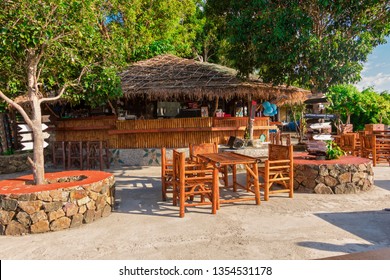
<point>124,134</point>
<point>241,121</point>
<point>164,123</point>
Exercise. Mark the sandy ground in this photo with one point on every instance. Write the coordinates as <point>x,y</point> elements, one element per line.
<point>310,226</point>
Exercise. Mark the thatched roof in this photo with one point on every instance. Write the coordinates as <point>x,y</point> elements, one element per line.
<point>167,76</point>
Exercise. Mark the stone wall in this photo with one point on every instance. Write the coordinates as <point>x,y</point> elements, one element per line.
<point>14,163</point>
<point>152,157</point>
<point>53,209</point>
<point>333,178</point>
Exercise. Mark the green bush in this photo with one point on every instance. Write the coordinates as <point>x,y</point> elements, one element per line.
<point>333,151</point>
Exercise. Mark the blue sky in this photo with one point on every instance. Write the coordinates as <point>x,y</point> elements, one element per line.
<point>376,70</point>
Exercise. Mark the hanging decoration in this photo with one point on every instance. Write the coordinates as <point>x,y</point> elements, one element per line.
<point>270,109</point>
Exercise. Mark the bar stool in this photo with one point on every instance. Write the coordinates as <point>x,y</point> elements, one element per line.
<point>75,154</point>
<point>59,153</point>
<point>97,152</point>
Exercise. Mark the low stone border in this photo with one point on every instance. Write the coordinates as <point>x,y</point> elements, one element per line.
<point>14,163</point>
<point>59,205</point>
<point>342,176</point>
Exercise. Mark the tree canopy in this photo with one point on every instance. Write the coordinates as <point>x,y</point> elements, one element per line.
<point>74,49</point>
<point>53,48</point>
<point>149,28</point>
<point>64,41</point>
<point>359,107</point>
<point>310,43</point>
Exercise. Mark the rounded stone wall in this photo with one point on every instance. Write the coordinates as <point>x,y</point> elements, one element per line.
<point>14,163</point>
<point>70,198</point>
<point>348,174</point>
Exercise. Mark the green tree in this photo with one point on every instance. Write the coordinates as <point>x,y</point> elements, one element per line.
<point>345,101</point>
<point>298,111</point>
<point>54,49</point>
<point>315,44</point>
<point>375,109</point>
<point>358,108</point>
<point>148,28</point>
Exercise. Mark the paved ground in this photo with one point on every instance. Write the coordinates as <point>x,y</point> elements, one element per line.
<point>310,226</point>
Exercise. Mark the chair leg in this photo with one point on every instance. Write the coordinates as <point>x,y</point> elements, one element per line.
<point>174,195</point>
<point>266,189</point>
<point>291,186</point>
<point>101,154</point>
<point>182,202</point>
<point>163,189</point>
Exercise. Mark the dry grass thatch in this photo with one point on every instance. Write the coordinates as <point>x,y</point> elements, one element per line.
<point>169,77</point>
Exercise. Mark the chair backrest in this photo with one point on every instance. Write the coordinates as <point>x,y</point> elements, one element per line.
<point>204,148</point>
<point>178,159</point>
<point>184,171</point>
<point>368,142</point>
<point>280,152</point>
<point>279,138</point>
<point>348,140</point>
<point>164,160</point>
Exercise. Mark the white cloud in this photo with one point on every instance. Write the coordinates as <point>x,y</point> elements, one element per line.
<point>380,82</point>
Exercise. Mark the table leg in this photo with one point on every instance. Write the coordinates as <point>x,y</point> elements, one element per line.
<point>252,172</point>
<point>256,183</point>
<point>215,190</point>
<point>226,176</point>
<point>234,177</point>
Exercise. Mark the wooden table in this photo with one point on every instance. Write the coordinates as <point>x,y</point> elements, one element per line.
<point>232,159</point>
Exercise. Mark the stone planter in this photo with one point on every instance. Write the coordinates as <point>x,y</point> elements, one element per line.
<point>346,175</point>
<point>70,199</point>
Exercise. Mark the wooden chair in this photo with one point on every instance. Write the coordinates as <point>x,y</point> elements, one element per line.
<point>376,148</point>
<point>204,148</point>
<point>75,154</point>
<point>349,143</point>
<point>192,184</point>
<point>97,153</point>
<point>59,153</point>
<point>279,138</point>
<point>166,174</point>
<point>278,169</point>
<point>367,144</point>
<point>207,148</point>
<point>382,148</point>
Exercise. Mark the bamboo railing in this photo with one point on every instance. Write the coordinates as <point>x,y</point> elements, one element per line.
<point>157,133</point>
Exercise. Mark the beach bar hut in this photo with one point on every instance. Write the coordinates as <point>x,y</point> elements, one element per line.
<point>183,101</point>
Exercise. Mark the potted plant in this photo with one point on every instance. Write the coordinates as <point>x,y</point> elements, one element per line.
<point>333,151</point>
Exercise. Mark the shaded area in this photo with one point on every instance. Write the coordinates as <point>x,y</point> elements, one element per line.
<point>384,184</point>
<point>372,226</point>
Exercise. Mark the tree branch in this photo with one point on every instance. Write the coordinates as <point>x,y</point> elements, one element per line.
<point>49,99</point>
<point>17,107</point>
<point>62,90</point>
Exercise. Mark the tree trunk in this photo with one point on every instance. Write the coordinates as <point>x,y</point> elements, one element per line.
<point>3,139</point>
<point>39,159</point>
<point>348,119</point>
<point>35,121</point>
<point>251,117</point>
<point>216,104</point>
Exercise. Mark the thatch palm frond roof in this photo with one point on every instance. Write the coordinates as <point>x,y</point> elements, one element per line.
<point>167,76</point>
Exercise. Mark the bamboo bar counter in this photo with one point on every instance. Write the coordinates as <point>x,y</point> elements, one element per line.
<point>157,133</point>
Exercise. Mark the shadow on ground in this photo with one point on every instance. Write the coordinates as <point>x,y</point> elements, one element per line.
<point>384,184</point>
<point>372,226</point>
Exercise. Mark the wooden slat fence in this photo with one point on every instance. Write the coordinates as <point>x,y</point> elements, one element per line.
<point>170,133</point>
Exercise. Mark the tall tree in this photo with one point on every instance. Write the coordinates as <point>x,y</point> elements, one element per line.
<point>344,100</point>
<point>358,107</point>
<point>51,49</point>
<point>148,28</point>
<point>315,43</point>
